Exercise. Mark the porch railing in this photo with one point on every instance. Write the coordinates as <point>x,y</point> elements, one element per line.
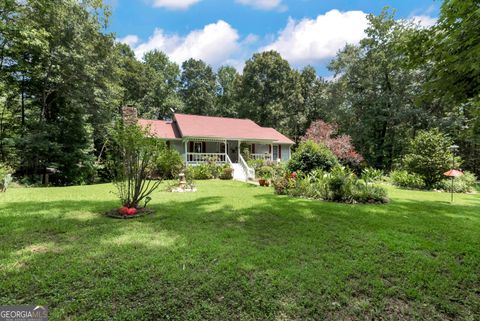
<point>264,156</point>
<point>248,170</point>
<point>198,158</point>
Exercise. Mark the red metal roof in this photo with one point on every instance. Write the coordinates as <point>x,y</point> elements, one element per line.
<point>214,127</point>
<point>161,128</point>
<point>279,137</point>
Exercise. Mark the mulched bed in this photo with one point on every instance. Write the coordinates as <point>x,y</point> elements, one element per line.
<point>140,212</point>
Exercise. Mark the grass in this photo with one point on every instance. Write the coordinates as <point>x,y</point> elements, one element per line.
<point>233,251</point>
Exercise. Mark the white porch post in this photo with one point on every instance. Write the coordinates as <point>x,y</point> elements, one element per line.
<point>271,152</point>
<point>225,150</point>
<point>238,156</point>
<point>186,153</point>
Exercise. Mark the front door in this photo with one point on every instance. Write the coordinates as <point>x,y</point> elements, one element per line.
<point>275,152</point>
<point>232,150</point>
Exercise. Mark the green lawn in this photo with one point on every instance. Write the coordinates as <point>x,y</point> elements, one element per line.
<point>233,251</point>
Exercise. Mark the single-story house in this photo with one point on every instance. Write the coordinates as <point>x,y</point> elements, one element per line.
<point>204,138</point>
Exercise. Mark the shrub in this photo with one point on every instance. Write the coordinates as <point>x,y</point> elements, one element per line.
<point>370,175</point>
<point>402,178</point>
<point>265,172</point>
<point>368,193</point>
<point>339,185</point>
<point>341,145</point>
<point>169,163</point>
<point>201,172</point>
<point>429,156</point>
<point>226,173</point>
<point>280,185</point>
<point>208,170</point>
<point>256,164</point>
<point>133,161</point>
<point>461,184</point>
<point>309,156</point>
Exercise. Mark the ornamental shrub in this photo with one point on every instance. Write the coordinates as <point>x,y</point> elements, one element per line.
<point>340,185</point>
<point>429,156</point>
<point>402,178</point>
<point>209,171</point>
<point>132,163</point>
<point>201,172</point>
<point>265,172</point>
<point>309,156</point>
<point>169,163</point>
<point>226,173</point>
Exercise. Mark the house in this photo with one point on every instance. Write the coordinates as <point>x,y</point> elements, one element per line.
<point>204,138</point>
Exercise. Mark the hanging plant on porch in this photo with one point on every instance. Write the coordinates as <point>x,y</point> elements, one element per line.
<point>132,164</point>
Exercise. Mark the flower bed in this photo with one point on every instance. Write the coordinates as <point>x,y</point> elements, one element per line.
<point>338,185</point>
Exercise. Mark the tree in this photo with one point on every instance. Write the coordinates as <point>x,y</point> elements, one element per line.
<point>429,156</point>
<point>161,89</point>
<point>133,162</point>
<point>197,87</point>
<point>132,76</point>
<point>376,94</point>
<point>452,50</point>
<point>227,81</point>
<point>61,76</point>
<point>341,146</point>
<point>270,92</point>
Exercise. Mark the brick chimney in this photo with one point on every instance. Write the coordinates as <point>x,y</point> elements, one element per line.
<point>129,114</point>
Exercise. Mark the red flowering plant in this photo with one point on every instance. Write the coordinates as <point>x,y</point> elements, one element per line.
<point>341,145</point>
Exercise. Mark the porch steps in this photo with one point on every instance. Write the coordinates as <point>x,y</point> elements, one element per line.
<point>238,172</point>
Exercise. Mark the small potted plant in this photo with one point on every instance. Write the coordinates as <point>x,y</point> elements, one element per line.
<point>265,174</point>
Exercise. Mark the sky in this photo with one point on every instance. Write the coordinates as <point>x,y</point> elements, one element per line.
<point>228,32</point>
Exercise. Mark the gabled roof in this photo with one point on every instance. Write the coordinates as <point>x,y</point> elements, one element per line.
<point>213,127</point>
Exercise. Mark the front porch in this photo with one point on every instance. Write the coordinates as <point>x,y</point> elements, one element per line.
<point>198,151</point>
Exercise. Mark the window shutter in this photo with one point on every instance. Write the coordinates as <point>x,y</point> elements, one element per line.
<point>280,151</point>
<point>269,149</point>
<point>204,147</point>
<point>191,147</point>
<point>253,148</point>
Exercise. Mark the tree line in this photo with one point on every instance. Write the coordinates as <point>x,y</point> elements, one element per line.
<point>64,79</point>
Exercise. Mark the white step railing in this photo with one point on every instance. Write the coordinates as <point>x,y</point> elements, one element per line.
<point>248,170</point>
<point>198,158</point>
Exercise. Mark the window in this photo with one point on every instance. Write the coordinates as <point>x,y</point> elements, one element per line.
<point>275,152</point>
<point>222,148</point>
<point>197,147</point>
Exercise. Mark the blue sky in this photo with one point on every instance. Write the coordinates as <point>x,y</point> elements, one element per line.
<point>230,31</point>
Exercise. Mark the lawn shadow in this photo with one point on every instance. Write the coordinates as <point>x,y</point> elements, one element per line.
<point>204,258</point>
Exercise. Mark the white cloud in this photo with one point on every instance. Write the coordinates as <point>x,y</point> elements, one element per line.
<point>424,20</point>
<point>264,4</point>
<point>130,40</point>
<point>314,40</point>
<point>215,44</point>
<point>174,4</point>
